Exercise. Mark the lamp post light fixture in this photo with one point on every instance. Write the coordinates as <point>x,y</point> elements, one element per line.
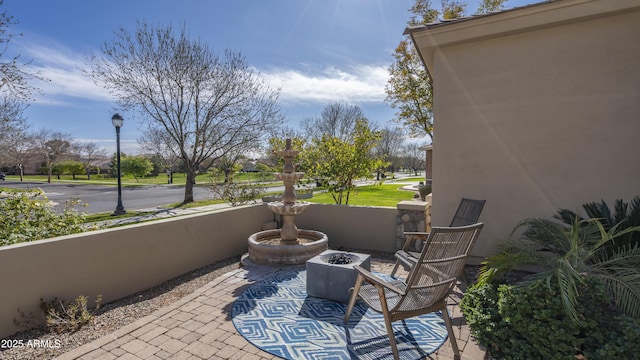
<point>117,121</point>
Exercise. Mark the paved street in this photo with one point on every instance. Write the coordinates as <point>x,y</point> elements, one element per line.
<point>103,198</point>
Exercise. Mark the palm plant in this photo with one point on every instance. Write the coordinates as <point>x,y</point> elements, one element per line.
<point>568,254</point>
<point>624,214</point>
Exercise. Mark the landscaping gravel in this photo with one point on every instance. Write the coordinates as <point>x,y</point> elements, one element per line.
<point>38,343</point>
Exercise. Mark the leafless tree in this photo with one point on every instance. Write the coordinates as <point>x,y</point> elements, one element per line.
<point>12,120</point>
<point>158,143</point>
<point>414,158</point>
<point>14,143</point>
<point>53,146</point>
<point>19,151</point>
<point>207,104</point>
<point>14,78</point>
<point>89,153</point>
<point>391,141</point>
<point>336,120</point>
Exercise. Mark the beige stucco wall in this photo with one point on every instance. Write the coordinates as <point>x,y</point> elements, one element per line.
<point>537,118</point>
<point>118,262</point>
<point>358,227</point>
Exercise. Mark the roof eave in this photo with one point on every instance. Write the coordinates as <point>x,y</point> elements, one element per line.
<point>428,38</point>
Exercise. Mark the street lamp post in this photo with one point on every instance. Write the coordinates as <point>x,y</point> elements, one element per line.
<point>117,121</point>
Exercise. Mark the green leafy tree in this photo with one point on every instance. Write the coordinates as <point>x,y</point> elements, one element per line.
<point>487,6</point>
<point>136,166</point>
<point>113,164</point>
<point>340,162</point>
<point>410,89</point>
<point>29,216</point>
<point>452,9</point>
<point>278,144</point>
<point>70,167</point>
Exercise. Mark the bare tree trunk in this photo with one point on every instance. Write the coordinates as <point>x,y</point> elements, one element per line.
<point>188,188</point>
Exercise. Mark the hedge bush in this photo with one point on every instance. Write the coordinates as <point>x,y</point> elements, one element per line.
<point>528,321</point>
<point>29,216</point>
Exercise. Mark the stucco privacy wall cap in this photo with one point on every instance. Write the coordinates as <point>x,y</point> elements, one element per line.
<point>411,205</point>
<point>545,14</point>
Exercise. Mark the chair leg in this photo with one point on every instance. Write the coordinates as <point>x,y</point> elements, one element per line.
<point>392,337</point>
<point>452,337</point>
<point>395,268</point>
<point>387,322</point>
<point>353,298</point>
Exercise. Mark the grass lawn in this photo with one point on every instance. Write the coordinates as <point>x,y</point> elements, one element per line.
<point>371,195</point>
<point>4,190</point>
<point>178,179</point>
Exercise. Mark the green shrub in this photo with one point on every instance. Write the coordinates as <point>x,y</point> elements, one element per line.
<point>28,216</point>
<point>567,254</point>
<point>528,321</point>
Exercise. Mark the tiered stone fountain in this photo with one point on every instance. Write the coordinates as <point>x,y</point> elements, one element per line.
<point>288,245</point>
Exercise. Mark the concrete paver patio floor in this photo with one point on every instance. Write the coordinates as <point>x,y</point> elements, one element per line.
<point>199,326</point>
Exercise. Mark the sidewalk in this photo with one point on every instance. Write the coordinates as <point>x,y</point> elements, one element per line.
<point>155,213</point>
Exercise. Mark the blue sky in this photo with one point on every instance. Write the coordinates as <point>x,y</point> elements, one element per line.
<point>316,51</point>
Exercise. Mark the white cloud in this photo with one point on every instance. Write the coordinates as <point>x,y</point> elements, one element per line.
<point>62,70</point>
<point>354,85</point>
<point>130,147</point>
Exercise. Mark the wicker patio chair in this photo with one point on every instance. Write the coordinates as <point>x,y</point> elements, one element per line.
<point>468,213</point>
<point>427,286</point>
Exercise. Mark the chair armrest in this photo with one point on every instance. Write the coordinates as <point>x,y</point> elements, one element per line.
<point>411,237</point>
<point>375,280</point>
<point>416,233</point>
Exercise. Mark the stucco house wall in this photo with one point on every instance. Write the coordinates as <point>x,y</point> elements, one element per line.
<point>535,109</point>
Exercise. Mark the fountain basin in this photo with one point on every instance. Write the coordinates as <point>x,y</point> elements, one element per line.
<point>265,248</point>
<point>281,208</point>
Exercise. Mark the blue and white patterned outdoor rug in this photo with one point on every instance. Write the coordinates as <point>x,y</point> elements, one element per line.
<point>277,316</point>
